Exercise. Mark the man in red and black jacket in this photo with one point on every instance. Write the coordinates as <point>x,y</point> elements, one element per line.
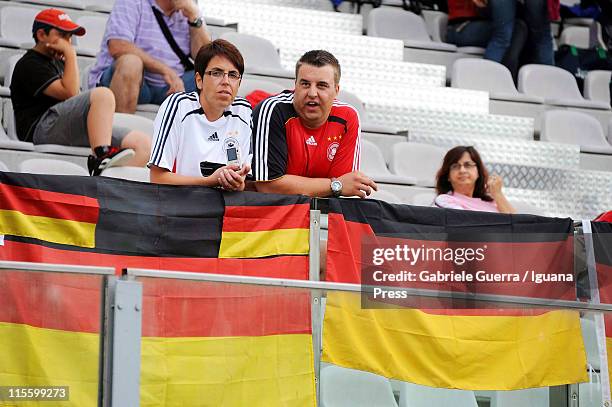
<point>307,142</point>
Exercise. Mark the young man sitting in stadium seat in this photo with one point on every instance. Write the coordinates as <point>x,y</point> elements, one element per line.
<point>211,125</point>
<point>136,60</point>
<point>305,141</point>
<point>50,110</point>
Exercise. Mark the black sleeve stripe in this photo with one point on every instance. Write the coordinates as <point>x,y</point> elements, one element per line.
<point>336,119</point>
<point>194,111</point>
<point>45,85</point>
<point>240,101</point>
<point>162,128</point>
<point>262,133</point>
<point>230,114</point>
<point>169,115</point>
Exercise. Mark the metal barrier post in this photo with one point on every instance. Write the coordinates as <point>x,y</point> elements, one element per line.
<point>314,266</point>
<point>598,317</point>
<point>572,395</point>
<point>122,344</point>
<point>106,332</point>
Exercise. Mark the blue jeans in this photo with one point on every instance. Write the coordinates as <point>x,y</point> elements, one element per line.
<point>149,93</point>
<point>535,14</point>
<point>494,34</point>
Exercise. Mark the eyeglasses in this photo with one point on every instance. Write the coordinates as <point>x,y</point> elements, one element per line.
<point>218,75</point>
<point>468,165</point>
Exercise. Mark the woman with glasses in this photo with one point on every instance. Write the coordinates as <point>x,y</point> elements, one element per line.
<point>464,183</point>
<point>204,137</point>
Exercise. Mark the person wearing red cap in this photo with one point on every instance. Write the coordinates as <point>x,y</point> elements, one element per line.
<point>50,110</point>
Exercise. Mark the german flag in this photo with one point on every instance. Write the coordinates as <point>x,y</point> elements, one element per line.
<point>109,222</point>
<point>203,344</point>
<point>602,245</point>
<point>207,344</point>
<point>474,349</point>
<point>50,334</point>
<point>253,227</point>
<point>214,345</point>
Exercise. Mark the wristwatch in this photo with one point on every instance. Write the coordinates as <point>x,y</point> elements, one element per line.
<point>197,23</point>
<point>336,187</point>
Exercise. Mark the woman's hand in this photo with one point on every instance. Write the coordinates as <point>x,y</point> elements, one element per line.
<point>494,188</point>
<point>231,177</point>
<point>480,3</point>
<point>494,185</point>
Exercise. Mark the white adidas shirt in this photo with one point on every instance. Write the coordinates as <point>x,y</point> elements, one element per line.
<point>183,137</point>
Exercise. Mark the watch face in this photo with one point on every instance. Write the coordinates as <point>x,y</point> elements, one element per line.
<point>336,186</point>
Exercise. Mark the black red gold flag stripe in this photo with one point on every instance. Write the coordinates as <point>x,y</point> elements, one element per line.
<point>474,349</point>
<point>110,222</point>
<point>202,344</point>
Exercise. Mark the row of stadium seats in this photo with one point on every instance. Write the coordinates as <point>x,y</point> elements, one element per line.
<point>62,167</point>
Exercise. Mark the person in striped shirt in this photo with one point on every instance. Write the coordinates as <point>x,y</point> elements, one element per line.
<point>209,125</point>
<point>307,142</point>
<point>136,60</point>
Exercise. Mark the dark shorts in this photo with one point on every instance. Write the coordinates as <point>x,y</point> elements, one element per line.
<point>66,124</point>
<point>149,93</point>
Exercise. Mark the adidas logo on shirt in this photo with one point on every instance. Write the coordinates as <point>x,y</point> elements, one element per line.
<point>213,137</point>
<point>311,141</point>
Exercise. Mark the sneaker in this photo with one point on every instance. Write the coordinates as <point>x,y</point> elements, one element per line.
<point>106,157</point>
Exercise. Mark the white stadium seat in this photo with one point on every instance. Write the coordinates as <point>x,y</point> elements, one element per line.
<point>5,141</point>
<point>103,6</point>
<point>565,126</point>
<point>557,86</point>
<point>416,160</point>
<point>51,167</point>
<point>3,167</point>
<point>16,26</point>
<point>373,164</point>
<point>437,23</point>
<point>597,86</point>
<point>414,395</point>
<point>62,150</point>
<point>76,4</point>
<point>5,56</point>
<point>490,76</point>
<point>342,387</point>
<point>576,36</point>
<point>366,124</point>
<point>90,43</point>
<point>385,196</point>
<point>538,397</point>
<point>133,122</point>
<point>260,55</point>
<point>8,118</point>
<point>403,25</point>
<point>526,208</point>
<point>589,335</point>
<point>9,67</point>
<point>140,174</point>
<point>424,198</point>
